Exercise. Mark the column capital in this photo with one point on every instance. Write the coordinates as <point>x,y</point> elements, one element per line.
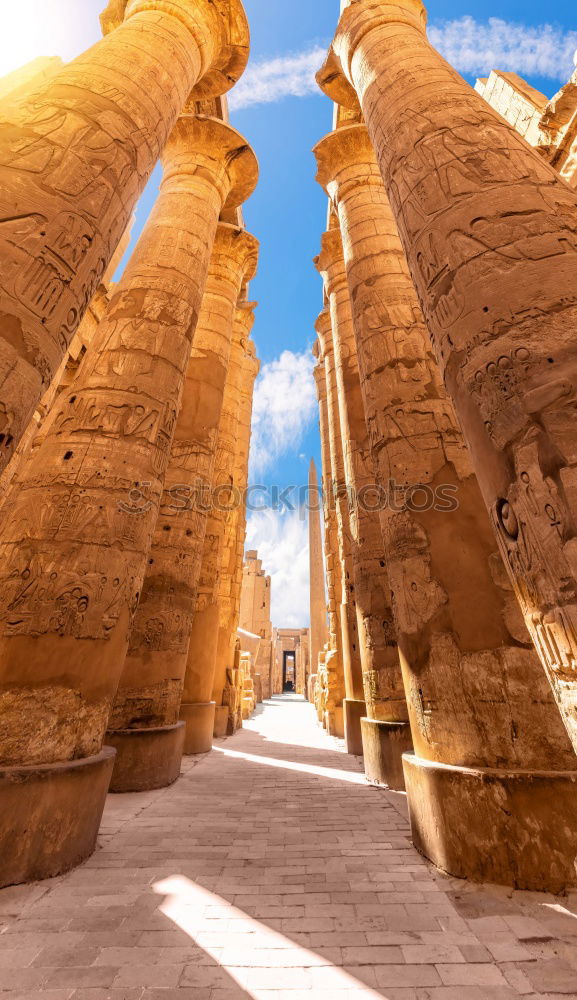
<point>349,146</point>
<point>199,143</point>
<point>358,18</point>
<point>241,246</point>
<point>228,24</point>
<point>324,329</point>
<point>330,263</point>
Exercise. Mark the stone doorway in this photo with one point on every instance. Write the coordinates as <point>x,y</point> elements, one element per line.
<point>288,671</point>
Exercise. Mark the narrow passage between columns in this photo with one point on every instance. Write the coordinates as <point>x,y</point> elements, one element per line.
<point>273,871</point>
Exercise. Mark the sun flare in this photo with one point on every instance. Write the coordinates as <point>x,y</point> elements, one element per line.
<point>26,33</point>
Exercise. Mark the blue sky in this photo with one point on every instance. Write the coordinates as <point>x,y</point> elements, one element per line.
<point>288,211</point>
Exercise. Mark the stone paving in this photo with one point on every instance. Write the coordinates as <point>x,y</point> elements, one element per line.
<point>272,871</point>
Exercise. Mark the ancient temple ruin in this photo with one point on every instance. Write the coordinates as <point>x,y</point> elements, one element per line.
<point>432,700</point>
<point>255,604</point>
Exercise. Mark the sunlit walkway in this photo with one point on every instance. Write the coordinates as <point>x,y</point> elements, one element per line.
<point>272,871</point>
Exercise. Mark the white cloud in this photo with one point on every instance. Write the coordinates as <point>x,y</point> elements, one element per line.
<point>471,46</point>
<point>285,404</point>
<point>273,79</point>
<point>282,542</point>
<point>476,48</point>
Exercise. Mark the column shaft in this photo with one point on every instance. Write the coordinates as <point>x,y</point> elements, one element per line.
<point>330,677</point>
<point>348,617</point>
<point>235,528</point>
<point>318,604</point>
<point>346,609</point>
<point>200,696</point>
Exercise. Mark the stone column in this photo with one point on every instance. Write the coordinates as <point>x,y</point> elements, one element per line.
<point>492,786</point>
<point>75,155</point>
<point>331,658</point>
<point>198,704</point>
<point>354,705</point>
<point>318,604</point>
<point>75,539</point>
<point>489,232</point>
<point>349,662</point>
<point>235,519</point>
<point>144,725</point>
<point>380,684</point>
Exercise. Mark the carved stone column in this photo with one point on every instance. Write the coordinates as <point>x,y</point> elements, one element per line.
<point>318,604</point>
<point>75,155</point>
<point>493,784</point>
<point>198,705</point>
<point>45,411</point>
<point>489,232</point>
<point>144,726</point>
<point>330,659</point>
<point>349,646</point>
<point>380,685</point>
<point>75,539</point>
<point>230,585</point>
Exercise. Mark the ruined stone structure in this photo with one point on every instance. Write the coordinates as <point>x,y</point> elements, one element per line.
<point>254,616</point>
<point>108,499</point>
<point>291,663</point>
<point>426,269</point>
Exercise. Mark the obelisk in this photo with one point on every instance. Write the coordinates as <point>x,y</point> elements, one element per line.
<point>318,630</point>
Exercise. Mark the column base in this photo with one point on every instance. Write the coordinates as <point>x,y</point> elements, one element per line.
<point>220,729</point>
<point>50,816</point>
<point>384,744</point>
<point>353,711</point>
<point>334,722</point>
<point>146,758</point>
<point>514,828</point>
<point>199,720</point>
